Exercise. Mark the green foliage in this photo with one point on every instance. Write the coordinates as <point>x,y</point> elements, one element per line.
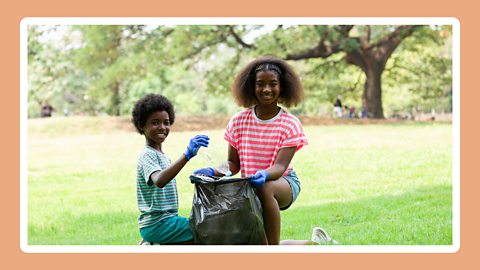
<point>52,77</point>
<point>423,65</point>
<point>103,69</point>
<point>283,40</point>
<point>104,59</point>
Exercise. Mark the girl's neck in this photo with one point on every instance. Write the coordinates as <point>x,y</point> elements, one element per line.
<point>266,112</point>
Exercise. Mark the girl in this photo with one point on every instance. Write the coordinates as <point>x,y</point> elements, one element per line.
<point>264,137</point>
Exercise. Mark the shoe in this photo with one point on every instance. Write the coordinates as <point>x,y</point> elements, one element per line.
<point>321,237</point>
<point>145,243</point>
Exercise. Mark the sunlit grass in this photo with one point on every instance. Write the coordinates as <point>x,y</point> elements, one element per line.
<point>366,184</point>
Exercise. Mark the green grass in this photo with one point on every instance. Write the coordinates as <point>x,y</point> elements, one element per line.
<point>377,184</point>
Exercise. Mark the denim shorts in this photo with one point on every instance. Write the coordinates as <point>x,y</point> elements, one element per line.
<point>294,183</point>
<point>168,231</point>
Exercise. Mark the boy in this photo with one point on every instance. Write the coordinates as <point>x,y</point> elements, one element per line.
<point>157,195</point>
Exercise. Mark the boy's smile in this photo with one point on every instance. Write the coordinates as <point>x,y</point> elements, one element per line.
<point>157,128</point>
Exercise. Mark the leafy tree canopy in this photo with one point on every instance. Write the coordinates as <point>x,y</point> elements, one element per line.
<point>98,69</point>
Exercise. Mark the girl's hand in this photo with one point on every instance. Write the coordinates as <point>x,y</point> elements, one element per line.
<point>195,144</point>
<point>259,178</point>
<point>205,171</point>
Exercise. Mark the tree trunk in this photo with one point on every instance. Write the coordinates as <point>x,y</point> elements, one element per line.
<point>372,92</point>
<point>115,105</point>
<point>370,57</point>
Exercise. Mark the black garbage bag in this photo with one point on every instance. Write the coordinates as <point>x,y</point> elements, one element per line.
<point>225,211</point>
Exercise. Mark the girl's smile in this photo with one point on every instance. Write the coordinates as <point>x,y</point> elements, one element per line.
<point>267,87</point>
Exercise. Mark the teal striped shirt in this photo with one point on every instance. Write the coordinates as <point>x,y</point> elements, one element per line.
<point>153,202</point>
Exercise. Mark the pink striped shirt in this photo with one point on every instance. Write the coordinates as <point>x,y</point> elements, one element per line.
<point>258,141</point>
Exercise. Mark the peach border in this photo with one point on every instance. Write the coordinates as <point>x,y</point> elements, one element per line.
<point>14,12</point>
<point>232,249</point>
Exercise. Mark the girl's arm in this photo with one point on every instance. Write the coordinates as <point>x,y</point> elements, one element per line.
<point>163,177</point>
<point>233,160</point>
<point>284,157</point>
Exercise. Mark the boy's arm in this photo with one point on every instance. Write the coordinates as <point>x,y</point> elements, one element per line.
<point>163,177</point>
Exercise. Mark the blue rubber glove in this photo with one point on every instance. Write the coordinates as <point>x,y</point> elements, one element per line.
<point>205,171</point>
<point>259,178</point>
<point>195,144</point>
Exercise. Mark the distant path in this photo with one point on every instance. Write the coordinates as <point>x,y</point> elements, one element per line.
<point>192,123</point>
<point>72,125</point>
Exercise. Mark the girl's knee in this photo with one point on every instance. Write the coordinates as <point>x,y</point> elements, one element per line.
<point>278,190</point>
<point>266,191</point>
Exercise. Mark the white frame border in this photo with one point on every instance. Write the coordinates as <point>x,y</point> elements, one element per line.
<point>239,20</point>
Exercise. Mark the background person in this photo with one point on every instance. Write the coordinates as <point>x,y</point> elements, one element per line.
<point>337,107</point>
<point>46,110</point>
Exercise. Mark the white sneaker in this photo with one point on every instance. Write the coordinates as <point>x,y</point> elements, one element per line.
<point>145,243</point>
<point>321,237</point>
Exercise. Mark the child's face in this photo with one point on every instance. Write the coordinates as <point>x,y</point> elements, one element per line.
<point>157,127</point>
<point>267,87</point>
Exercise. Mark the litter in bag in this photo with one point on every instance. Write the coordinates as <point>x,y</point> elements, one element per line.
<point>225,211</point>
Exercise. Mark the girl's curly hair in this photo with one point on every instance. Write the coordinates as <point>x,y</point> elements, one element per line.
<point>243,88</point>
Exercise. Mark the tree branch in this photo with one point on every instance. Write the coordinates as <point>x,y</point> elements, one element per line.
<point>323,50</point>
<point>386,46</point>
<point>326,64</point>
<point>344,29</point>
<point>319,51</point>
<point>396,36</point>
<point>365,40</point>
<point>238,39</point>
<point>352,88</point>
<point>358,59</point>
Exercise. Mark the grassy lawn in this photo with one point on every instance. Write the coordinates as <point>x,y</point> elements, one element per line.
<point>382,184</point>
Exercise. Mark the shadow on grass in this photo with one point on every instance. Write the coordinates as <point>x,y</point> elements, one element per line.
<point>419,217</point>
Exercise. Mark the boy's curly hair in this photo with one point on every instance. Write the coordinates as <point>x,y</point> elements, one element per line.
<point>243,88</point>
<point>147,105</point>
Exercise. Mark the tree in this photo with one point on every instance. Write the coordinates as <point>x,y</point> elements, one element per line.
<point>52,75</point>
<point>370,55</point>
<point>105,68</point>
<point>114,56</point>
<point>366,47</point>
<point>423,66</point>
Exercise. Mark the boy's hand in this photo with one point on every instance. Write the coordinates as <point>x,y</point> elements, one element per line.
<point>195,144</point>
<point>259,178</point>
<point>205,171</point>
